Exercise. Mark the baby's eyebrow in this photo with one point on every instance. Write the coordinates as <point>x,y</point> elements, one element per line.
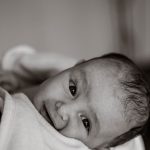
<point>81,77</point>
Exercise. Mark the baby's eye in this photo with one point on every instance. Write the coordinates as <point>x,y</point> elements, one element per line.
<point>72,88</point>
<point>86,123</point>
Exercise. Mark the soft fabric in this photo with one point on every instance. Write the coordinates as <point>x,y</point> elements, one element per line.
<point>23,128</point>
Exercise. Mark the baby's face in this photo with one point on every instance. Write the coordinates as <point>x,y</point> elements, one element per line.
<point>83,102</point>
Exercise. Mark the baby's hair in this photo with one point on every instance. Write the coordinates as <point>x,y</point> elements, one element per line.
<point>137,100</point>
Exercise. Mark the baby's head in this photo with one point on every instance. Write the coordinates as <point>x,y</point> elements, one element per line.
<point>103,101</point>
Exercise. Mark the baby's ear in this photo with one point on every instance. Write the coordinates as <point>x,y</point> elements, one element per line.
<point>80,61</point>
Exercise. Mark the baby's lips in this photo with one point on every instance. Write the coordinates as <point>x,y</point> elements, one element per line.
<point>59,122</point>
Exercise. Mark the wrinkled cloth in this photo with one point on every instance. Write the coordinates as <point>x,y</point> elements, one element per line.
<point>23,128</point>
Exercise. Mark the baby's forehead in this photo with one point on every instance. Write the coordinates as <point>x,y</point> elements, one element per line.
<point>98,74</point>
<point>103,66</point>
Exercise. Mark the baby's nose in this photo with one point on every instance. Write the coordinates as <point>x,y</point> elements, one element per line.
<point>63,115</point>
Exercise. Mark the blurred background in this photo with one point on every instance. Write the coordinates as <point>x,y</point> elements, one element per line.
<point>77,28</point>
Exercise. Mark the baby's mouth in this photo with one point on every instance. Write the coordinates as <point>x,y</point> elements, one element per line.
<point>47,116</point>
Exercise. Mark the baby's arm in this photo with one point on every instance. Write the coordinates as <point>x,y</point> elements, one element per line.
<point>23,67</point>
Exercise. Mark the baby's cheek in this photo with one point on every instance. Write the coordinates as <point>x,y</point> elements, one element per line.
<point>38,102</point>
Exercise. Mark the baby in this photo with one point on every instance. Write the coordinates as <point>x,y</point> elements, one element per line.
<point>102,102</point>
